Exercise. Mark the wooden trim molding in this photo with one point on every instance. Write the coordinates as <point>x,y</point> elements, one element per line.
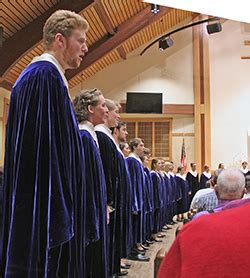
<point>183,134</point>
<point>170,109</point>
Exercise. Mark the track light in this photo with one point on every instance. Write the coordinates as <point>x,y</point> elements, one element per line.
<point>155,8</point>
<point>214,28</point>
<point>165,43</point>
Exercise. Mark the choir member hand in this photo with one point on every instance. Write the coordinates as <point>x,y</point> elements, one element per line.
<point>135,213</point>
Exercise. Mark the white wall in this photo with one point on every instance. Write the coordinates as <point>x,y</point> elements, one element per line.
<point>155,71</point>
<point>230,95</point>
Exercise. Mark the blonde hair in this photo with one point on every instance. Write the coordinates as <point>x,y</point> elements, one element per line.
<point>82,101</point>
<point>111,104</point>
<point>64,22</point>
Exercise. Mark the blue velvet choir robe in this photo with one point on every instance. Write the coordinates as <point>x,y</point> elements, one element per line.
<point>158,203</point>
<point>44,189</point>
<point>149,201</point>
<point>96,206</point>
<point>137,178</point>
<point>204,178</point>
<point>109,155</point>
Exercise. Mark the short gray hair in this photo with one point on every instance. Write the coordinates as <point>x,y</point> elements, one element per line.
<point>82,101</point>
<point>230,184</point>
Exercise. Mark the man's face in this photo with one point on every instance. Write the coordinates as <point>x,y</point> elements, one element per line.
<point>75,49</point>
<point>244,165</point>
<point>139,149</point>
<point>193,167</point>
<point>113,117</point>
<point>100,111</point>
<point>122,133</point>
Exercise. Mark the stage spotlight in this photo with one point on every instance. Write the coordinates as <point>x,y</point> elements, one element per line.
<point>214,28</point>
<point>165,43</point>
<point>155,8</point>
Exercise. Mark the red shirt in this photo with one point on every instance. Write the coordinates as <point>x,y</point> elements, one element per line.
<point>217,245</point>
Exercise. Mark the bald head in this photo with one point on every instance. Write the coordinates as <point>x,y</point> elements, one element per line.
<point>230,184</point>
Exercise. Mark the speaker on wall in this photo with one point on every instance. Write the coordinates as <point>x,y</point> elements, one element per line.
<point>214,28</point>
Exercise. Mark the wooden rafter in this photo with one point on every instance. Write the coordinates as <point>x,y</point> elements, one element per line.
<point>120,49</point>
<point>104,17</point>
<point>124,32</point>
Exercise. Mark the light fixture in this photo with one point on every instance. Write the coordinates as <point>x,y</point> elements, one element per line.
<point>165,43</point>
<point>214,27</point>
<point>155,8</point>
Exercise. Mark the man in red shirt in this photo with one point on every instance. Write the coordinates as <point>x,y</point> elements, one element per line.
<point>213,246</point>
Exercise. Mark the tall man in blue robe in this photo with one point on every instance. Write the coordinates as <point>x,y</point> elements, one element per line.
<point>44,189</point>
<point>91,110</point>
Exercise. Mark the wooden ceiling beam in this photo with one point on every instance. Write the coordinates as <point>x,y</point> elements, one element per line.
<point>31,34</point>
<point>124,32</point>
<point>104,17</point>
<point>121,51</point>
<point>6,85</point>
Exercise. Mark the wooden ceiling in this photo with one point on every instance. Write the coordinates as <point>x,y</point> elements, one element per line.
<point>117,27</point>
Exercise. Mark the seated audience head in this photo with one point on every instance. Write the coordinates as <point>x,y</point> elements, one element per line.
<point>124,148</point>
<point>89,105</point>
<point>230,184</point>
<point>120,131</point>
<point>213,181</point>
<point>113,113</point>
<point>193,166</point>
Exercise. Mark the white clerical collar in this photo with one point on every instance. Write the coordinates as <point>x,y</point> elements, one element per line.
<point>193,173</point>
<point>171,174</point>
<point>86,125</point>
<point>134,155</point>
<point>181,176</point>
<point>207,174</point>
<point>105,129</point>
<point>244,170</point>
<point>167,174</point>
<point>50,58</point>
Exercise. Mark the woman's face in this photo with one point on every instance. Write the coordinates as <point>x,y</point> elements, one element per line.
<point>99,112</point>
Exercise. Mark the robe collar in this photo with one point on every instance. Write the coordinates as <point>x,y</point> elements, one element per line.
<point>103,128</point>
<point>181,176</point>
<point>134,155</point>
<point>50,58</point>
<point>86,125</point>
<point>244,170</point>
<point>193,173</point>
<point>208,175</point>
<point>171,174</point>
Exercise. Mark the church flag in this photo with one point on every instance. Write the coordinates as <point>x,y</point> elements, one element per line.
<point>183,155</point>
